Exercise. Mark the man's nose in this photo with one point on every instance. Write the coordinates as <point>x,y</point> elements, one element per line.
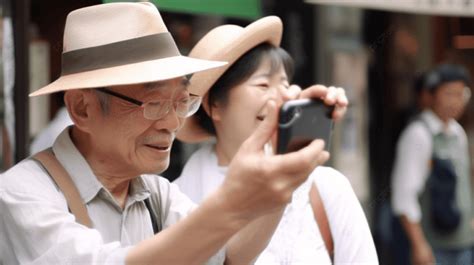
<point>170,121</point>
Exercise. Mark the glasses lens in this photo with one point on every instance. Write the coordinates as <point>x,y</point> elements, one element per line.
<point>188,106</point>
<point>467,94</point>
<point>194,103</point>
<point>184,108</point>
<point>156,109</point>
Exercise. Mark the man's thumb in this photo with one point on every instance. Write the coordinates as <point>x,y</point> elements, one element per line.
<point>266,128</point>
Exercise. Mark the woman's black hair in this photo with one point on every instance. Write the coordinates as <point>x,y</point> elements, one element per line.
<point>241,71</point>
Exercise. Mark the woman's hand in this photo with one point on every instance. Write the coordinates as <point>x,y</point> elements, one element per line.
<point>332,96</point>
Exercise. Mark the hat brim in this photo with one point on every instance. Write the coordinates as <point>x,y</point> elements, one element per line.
<point>265,30</point>
<point>137,73</point>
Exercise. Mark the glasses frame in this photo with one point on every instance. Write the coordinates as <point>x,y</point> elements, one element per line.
<point>141,103</point>
<point>467,94</point>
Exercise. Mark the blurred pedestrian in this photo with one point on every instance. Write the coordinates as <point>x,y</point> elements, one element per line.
<point>431,180</point>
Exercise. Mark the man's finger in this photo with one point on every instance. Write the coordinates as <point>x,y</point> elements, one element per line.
<point>265,129</point>
<point>311,155</point>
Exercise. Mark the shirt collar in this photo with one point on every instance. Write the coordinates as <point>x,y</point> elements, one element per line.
<point>81,173</point>
<point>139,190</point>
<point>436,125</point>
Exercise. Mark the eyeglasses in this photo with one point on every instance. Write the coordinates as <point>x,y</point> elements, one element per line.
<point>155,110</point>
<point>464,95</point>
<point>467,94</point>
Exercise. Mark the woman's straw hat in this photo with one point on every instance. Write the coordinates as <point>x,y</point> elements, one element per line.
<point>225,43</point>
<point>119,44</point>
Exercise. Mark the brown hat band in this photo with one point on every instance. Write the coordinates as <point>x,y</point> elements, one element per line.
<point>147,48</point>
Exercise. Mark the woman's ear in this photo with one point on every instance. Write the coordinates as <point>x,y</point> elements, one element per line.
<point>79,107</point>
<point>211,111</point>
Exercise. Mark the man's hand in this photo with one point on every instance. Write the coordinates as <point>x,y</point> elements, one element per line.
<point>330,95</point>
<point>258,184</point>
<point>422,254</point>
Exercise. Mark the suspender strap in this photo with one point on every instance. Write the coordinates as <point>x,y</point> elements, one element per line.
<point>74,201</point>
<point>321,219</point>
<point>154,222</point>
<point>65,184</point>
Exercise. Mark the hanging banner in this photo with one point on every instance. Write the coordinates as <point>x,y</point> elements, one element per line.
<point>429,7</point>
<point>246,9</point>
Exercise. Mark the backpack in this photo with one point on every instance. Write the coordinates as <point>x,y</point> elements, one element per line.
<point>443,210</point>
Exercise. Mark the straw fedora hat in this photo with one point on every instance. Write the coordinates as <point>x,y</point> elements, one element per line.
<point>225,43</point>
<point>119,44</point>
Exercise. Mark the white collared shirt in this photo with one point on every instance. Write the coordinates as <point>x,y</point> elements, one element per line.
<point>37,228</point>
<point>413,155</point>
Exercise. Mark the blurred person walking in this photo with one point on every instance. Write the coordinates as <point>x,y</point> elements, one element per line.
<point>432,193</point>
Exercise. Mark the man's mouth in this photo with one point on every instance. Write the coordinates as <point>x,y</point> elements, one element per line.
<point>160,147</point>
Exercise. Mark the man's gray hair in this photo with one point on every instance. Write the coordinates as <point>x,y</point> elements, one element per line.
<point>103,100</point>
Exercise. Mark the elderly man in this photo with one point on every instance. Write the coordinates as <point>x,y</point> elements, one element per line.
<point>126,93</point>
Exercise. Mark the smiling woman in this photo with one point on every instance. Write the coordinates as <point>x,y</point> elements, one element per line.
<point>235,103</point>
<point>259,82</point>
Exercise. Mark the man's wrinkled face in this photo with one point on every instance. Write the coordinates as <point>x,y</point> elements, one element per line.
<point>126,139</point>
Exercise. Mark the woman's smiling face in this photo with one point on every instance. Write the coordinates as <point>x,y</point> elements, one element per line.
<point>245,106</point>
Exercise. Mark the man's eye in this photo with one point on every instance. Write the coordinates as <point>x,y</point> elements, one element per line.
<point>184,100</point>
<point>155,103</point>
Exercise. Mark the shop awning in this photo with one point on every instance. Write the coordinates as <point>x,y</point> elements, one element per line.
<point>245,9</point>
<point>443,8</point>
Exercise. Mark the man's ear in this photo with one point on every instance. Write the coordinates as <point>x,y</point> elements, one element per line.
<point>78,104</point>
<point>211,111</point>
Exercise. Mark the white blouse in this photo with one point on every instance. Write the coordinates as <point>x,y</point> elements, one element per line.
<point>297,239</point>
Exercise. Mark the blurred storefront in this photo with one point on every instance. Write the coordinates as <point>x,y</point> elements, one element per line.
<point>401,40</point>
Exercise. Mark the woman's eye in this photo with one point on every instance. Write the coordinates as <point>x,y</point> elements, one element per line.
<point>263,85</point>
